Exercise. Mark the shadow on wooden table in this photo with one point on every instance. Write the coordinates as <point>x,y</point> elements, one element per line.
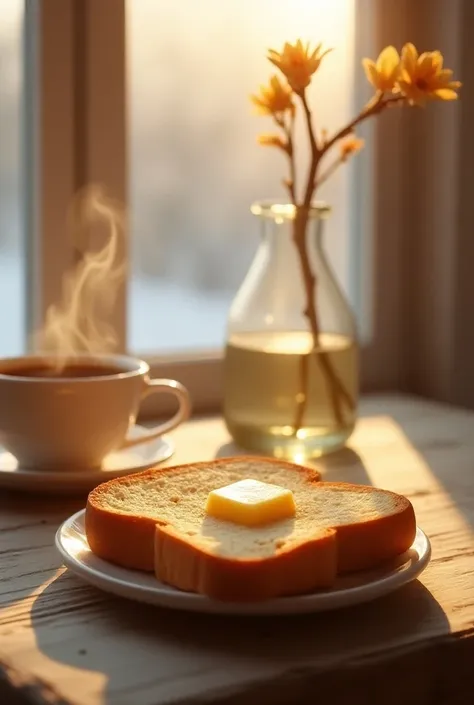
<point>26,531</point>
<point>343,466</point>
<point>146,653</point>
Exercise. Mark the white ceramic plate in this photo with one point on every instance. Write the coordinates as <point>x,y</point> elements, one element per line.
<point>72,545</point>
<point>121,462</point>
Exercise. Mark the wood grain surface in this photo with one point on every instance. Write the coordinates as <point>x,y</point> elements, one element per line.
<point>63,642</point>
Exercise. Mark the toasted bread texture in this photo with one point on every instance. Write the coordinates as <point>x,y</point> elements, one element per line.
<point>121,515</point>
<point>156,520</point>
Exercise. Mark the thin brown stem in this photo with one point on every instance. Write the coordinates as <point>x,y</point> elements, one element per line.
<point>315,154</point>
<point>290,183</point>
<point>336,389</point>
<point>373,107</point>
<point>291,152</point>
<point>329,171</point>
<point>302,396</point>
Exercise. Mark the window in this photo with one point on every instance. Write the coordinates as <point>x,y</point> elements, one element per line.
<point>172,79</point>
<point>195,165</point>
<point>12,279</point>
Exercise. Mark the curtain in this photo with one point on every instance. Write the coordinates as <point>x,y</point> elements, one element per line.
<point>421,214</point>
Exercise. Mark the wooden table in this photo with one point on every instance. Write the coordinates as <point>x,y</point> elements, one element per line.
<point>62,641</point>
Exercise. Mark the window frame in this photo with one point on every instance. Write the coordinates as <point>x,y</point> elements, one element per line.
<point>75,113</point>
<point>48,127</point>
<point>75,88</point>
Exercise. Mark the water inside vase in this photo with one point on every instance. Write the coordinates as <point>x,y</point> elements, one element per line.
<point>263,392</point>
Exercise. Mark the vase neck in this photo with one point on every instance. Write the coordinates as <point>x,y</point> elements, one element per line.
<point>274,295</point>
<point>278,234</point>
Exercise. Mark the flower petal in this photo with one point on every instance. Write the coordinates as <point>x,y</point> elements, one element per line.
<point>388,61</point>
<point>350,146</point>
<point>262,108</point>
<point>274,58</point>
<point>437,60</point>
<point>409,57</point>
<point>425,62</point>
<point>405,76</point>
<point>445,94</point>
<point>370,71</point>
<point>327,51</point>
<point>445,74</point>
<point>272,140</point>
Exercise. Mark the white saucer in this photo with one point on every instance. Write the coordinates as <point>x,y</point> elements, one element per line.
<point>72,544</point>
<point>121,462</point>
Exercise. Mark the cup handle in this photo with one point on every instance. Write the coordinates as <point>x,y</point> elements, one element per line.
<point>153,386</point>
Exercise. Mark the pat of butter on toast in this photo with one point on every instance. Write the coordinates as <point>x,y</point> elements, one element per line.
<point>251,503</point>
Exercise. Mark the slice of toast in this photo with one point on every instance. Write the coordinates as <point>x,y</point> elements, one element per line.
<point>121,514</point>
<point>156,520</point>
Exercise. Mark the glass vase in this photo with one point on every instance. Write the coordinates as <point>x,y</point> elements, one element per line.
<point>291,372</point>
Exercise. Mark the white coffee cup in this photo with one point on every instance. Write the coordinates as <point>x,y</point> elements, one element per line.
<point>70,420</point>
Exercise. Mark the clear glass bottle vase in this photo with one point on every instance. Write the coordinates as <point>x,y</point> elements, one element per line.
<point>290,379</point>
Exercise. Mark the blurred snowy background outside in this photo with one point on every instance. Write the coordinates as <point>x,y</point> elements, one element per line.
<point>195,164</point>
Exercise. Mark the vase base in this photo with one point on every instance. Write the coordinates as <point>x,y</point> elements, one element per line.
<point>276,441</point>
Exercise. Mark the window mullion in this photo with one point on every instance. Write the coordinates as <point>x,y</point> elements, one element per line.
<point>74,134</point>
<point>48,158</point>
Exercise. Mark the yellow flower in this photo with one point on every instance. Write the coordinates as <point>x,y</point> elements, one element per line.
<point>423,78</point>
<point>274,98</point>
<point>350,146</point>
<point>297,63</point>
<point>272,141</point>
<point>383,73</point>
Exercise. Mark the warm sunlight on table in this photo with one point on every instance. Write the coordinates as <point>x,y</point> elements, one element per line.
<point>67,642</point>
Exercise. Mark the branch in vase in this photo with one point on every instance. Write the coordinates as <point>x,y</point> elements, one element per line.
<point>348,148</point>
<point>336,390</point>
<point>291,144</point>
<point>329,172</point>
<point>290,183</point>
<point>315,154</point>
<point>375,106</point>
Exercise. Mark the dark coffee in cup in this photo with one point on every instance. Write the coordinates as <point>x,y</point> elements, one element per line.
<point>66,372</point>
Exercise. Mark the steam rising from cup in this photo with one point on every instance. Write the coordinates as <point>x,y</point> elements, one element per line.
<point>80,323</point>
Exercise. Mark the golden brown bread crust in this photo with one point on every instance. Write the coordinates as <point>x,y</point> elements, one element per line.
<point>295,569</point>
<point>364,545</point>
<point>129,540</point>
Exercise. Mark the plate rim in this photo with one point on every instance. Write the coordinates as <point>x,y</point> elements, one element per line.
<point>171,598</point>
